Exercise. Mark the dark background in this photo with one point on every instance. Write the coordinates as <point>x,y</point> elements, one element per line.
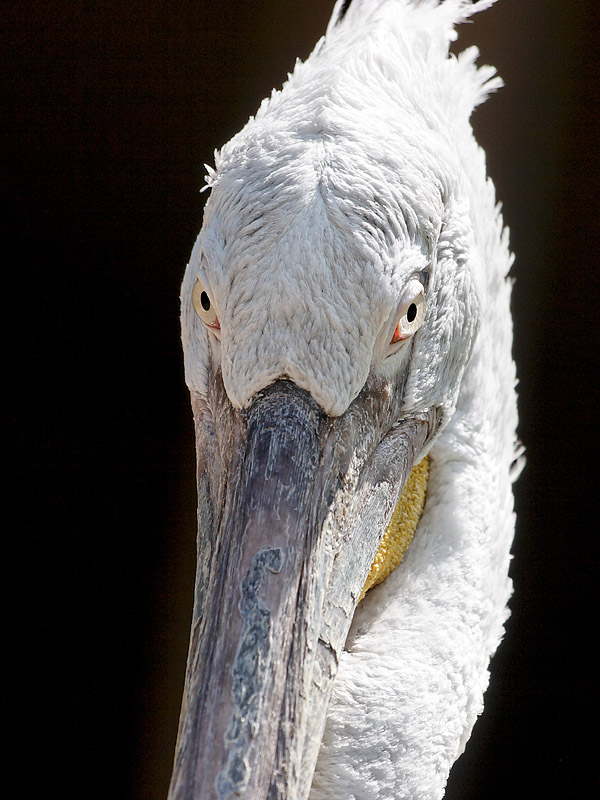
<point>109,110</point>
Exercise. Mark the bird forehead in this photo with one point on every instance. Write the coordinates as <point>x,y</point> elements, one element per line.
<point>373,193</point>
<point>319,212</point>
<point>297,302</point>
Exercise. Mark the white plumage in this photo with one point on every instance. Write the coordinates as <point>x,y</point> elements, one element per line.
<point>359,175</point>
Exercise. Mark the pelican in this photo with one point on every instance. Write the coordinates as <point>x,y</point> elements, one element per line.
<point>347,346</point>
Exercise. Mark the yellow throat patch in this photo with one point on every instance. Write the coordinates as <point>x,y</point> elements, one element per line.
<point>401,527</point>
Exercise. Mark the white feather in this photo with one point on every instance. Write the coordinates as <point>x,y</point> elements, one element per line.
<point>361,172</point>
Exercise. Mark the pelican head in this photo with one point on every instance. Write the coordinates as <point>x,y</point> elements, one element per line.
<point>345,315</point>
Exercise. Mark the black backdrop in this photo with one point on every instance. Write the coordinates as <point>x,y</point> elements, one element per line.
<point>109,111</point>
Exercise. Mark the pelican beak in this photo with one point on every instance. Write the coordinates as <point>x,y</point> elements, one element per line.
<point>292,506</point>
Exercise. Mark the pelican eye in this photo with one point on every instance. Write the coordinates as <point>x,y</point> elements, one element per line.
<point>204,307</point>
<point>411,319</point>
